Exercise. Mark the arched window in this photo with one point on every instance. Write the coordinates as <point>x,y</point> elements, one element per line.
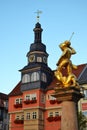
<point>35,76</point>
<point>26,78</point>
<point>43,77</point>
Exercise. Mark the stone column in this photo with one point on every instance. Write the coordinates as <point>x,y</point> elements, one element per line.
<point>69,98</point>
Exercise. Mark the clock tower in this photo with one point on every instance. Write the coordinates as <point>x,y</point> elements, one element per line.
<point>36,74</point>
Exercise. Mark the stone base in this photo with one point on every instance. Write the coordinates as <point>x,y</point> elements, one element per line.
<point>67,94</point>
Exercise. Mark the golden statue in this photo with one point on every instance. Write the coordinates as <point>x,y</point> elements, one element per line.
<point>65,64</point>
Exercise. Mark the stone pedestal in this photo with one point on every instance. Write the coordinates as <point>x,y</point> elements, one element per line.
<point>69,98</point>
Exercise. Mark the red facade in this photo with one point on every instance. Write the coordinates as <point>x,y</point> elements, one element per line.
<point>48,110</point>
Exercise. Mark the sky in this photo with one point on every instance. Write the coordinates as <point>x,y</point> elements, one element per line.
<point>59,19</point>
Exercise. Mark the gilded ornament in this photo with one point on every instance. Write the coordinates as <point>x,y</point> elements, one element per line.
<point>64,64</point>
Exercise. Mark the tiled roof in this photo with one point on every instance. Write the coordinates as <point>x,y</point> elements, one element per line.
<point>77,72</point>
<point>83,77</point>
<point>16,91</point>
<point>3,96</point>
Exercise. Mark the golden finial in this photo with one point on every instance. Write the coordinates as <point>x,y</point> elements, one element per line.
<point>38,14</point>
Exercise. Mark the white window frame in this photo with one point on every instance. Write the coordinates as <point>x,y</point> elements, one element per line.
<point>51,97</point>
<point>32,96</point>
<point>28,97</point>
<point>22,117</point>
<point>18,101</point>
<point>28,116</point>
<point>56,113</point>
<point>35,76</point>
<point>26,78</point>
<point>34,115</point>
<point>17,117</point>
<point>50,114</point>
<point>85,93</point>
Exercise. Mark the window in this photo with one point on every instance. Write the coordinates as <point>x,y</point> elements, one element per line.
<point>43,77</point>
<point>85,92</point>
<point>34,115</point>
<point>39,59</point>
<point>84,113</point>
<point>22,117</point>
<point>56,113</point>
<point>6,104</point>
<point>53,114</point>
<point>18,101</point>
<point>42,98</point>
<point>35,76</point>
<point>26,78</point>
<point>50,114</point>
<point>40,115</point>
<point>33,96</point>
<point>28,116</point>
<point>17,118</point>
<point>51,97</point>
<point>27,97</point>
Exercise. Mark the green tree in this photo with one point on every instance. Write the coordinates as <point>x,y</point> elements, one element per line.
<point>82,121</point>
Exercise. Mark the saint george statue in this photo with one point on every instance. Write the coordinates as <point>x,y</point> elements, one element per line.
<point>65,64</point>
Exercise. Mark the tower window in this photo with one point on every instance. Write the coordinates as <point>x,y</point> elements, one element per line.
<point>26,78</point>
<point>39,59</point>
<point>43,77</point>
<point>35,76</point>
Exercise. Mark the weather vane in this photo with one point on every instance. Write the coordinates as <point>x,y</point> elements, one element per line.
<point>38,14</point>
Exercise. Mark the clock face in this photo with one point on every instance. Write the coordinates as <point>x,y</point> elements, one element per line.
<point>31,58</point>
<point>44,59</point>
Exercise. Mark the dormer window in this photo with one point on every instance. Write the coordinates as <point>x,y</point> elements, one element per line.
<point>35,76</point>
<point>26,78</point>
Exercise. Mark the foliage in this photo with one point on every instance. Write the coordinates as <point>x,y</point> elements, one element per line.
<point>82,121</point>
